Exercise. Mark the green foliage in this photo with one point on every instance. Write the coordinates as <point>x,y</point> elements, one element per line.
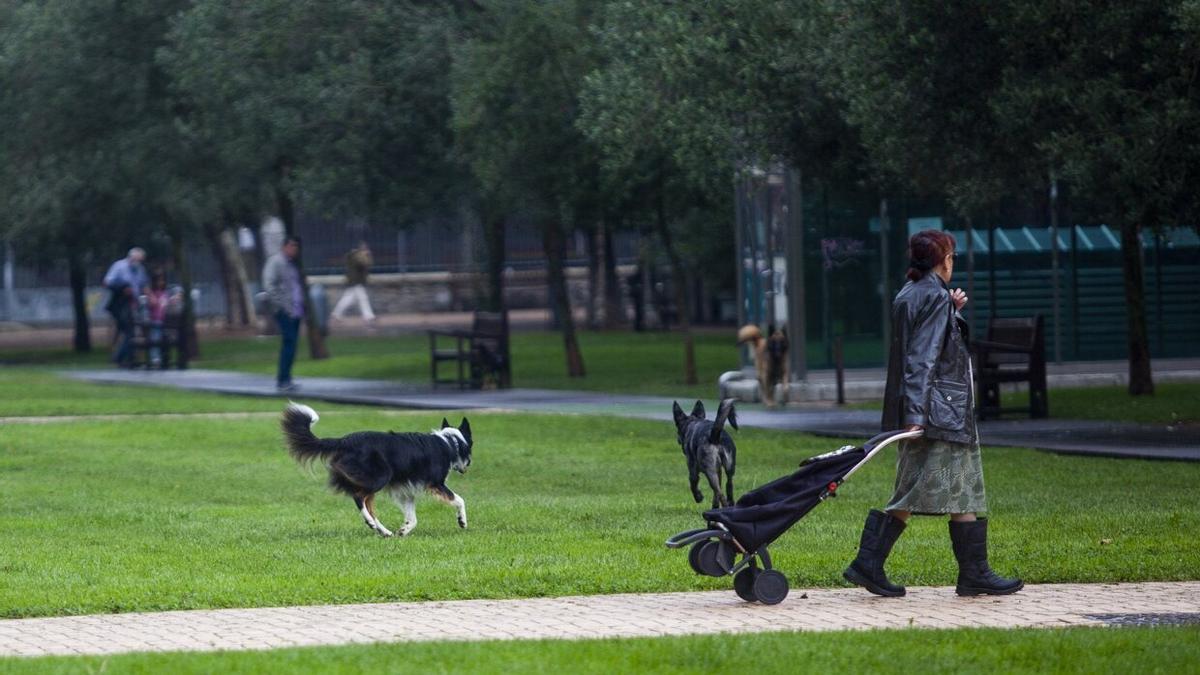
<point>344,103</point>
<point>84,116</point>
<point>1110,87</point>
<point>515,89</point>
<point>714,86</point>
<point>1067,650</point>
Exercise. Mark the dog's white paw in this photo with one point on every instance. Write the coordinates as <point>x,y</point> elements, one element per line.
<point>462,522</point>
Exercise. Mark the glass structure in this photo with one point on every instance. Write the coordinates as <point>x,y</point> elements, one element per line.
<point>824,261</point>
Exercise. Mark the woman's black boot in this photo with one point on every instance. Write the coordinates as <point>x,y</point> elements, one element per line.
<point>975,576</point>
<point>878,536</point>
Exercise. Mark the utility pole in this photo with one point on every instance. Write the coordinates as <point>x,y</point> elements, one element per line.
<point>1054,267</point>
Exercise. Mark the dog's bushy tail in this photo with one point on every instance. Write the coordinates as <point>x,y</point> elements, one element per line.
<point>297,424</point>
<point>725,414</point>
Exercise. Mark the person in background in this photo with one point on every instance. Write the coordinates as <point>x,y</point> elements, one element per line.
<point>125,281</point>
<point>158,298</point>
<point>285,295</point>
<point>358,267</point>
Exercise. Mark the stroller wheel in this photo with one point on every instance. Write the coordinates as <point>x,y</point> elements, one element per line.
<point>715,558</point>
<point>743,583</point>
<point>694,556</point>
<point>770,587</point>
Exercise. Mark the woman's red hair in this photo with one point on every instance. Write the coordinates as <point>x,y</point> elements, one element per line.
<point>926,249</point>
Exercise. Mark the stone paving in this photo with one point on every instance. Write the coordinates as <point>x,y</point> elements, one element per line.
<point>597,616</point>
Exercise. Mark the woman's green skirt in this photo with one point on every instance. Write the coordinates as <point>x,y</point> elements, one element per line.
<point>938,477</point>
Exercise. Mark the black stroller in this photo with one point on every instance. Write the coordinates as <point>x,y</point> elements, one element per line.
<point>763,515</point>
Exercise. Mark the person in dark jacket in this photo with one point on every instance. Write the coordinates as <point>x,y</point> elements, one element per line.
<point>929,388</point>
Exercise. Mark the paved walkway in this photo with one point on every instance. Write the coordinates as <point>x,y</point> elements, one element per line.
<point>598,616</point>
<point>1067,436</point>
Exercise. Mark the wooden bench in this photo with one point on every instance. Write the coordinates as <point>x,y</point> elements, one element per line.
<point>144,341</point>
<point>478,354</point>
<point>1014,351</point>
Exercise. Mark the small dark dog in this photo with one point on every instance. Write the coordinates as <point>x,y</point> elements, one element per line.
<point>770,359</point>
<point>364,463</point>
<point>709,449</point>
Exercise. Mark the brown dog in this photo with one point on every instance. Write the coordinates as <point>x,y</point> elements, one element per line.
<point>770,359</point>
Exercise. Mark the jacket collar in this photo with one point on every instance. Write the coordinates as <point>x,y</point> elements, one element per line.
<point>935,280</point>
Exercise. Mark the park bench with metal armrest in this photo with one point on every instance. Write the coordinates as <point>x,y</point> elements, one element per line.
<point>1014,351</point>
<point>478,354</point>
<point>166,339</point>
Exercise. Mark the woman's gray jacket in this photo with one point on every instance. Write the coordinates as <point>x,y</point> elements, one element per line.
<point>929,364</point>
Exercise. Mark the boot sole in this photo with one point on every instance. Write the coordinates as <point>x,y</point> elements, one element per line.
<point>859,580</point>
<point>971,591</point>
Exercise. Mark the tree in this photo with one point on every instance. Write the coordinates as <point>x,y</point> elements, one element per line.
<point>1114,87</point>
<point>687,95</point>
<point>515,99</point>
<point>83,107</point>
<point>983,102</point>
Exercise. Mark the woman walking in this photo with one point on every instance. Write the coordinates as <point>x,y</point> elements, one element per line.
<point>929,388</point>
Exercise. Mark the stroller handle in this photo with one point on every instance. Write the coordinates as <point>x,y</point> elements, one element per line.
<point>886,438</point>
<point>881,441</point>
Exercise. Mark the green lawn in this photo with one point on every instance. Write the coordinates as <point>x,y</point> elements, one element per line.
<point>114,515</point>
<point>1172,403</point>
<point>1078,650</point>
<point>28,391</point>
<point>616,361</point>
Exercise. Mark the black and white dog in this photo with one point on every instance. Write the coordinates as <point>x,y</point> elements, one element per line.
<point>363,463</point>
<point>709,449</point>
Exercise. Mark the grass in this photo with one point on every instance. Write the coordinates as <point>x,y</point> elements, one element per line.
<point>635,363</point>
<point>1172,403</point>
<point>113,516</point>
<point>616,361</point>
<point>1076,650</point>
<point>28,391</point>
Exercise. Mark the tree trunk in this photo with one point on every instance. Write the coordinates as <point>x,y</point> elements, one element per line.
<point>679,281</point>
<point>594,282</point>
<point>1141,381</point>
<point>212,232</point>
<point>494,231</point>
<point>78,275</point>
<point>239,278</point>
<point>552,241</point>
<point>316,339</point>
<point>614,308</point>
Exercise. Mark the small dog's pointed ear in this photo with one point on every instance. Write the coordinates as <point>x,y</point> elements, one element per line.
<point>677,412</point>
<point>698,410</point>
<point>465,428</point>
<point>445,423</point>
